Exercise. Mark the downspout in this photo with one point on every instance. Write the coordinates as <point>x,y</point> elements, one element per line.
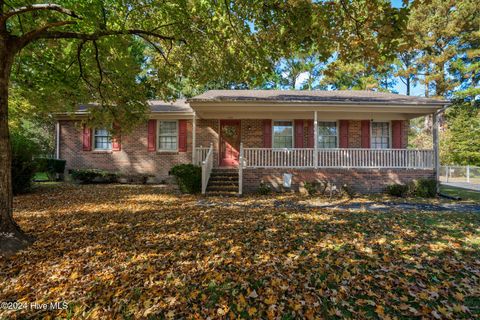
<point>315,137</point>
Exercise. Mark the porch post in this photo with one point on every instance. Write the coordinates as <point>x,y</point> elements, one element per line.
<point>436,159</point>
<point>194,139</point>
<point>240,171</point>
<point>57,140</point>
<point>315,142</point>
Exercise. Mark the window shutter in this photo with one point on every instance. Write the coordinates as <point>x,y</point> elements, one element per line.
<point>310,134</point>
<point>116,140</point>
<point>267,133</point>
<point>87,138</point>
<point>397,134</point>
<point>182,135</point>
<point>343,133</point>
<point>152,135</point>
<point>298,133</point>
<point>365,133</point>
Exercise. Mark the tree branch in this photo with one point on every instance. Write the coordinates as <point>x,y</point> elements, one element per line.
<point>157,48</point>
<point>32,35</point>
<point>100,71</point>
<point>38,7</point>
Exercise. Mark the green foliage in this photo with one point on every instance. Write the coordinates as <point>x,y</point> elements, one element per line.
<point>93,176</point>
<point>311,187</point>
<point>397,190</point>
<point>189,177</point>
<point>50,166</point>
<point>424,188</point>
<point>461,139</point>
<point>24,150</point>
<point>264,189</point>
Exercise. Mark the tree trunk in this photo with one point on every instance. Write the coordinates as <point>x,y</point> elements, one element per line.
<point>408,85</point>
<point>12,238</point>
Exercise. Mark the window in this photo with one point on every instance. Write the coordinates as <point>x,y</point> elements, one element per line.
<point>282,134</point>
<point>327,135</point>
<point>167,135</point>
<point>380,135</point>
<point>102,139</point>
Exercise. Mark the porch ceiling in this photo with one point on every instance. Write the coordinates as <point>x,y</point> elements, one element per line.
<point>225,110</point>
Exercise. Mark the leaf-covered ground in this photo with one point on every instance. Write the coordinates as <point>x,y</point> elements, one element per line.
<point>133,252</point>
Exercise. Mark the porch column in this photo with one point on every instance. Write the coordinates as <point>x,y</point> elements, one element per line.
<point>194,139</point>
<point>315,137</point>
<point>436,157</point>
<point>57,140</point>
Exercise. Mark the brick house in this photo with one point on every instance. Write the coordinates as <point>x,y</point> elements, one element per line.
<point>280,138</point>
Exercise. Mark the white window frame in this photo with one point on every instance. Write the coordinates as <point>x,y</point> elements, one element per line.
<point>94,136</point>
<point>158,135</point>
<point>293,133</point>
<point>389,133</point>
<point>338,133</point>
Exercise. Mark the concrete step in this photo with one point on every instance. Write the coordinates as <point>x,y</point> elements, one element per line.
<point>222,188</point>
<point>222,194</point>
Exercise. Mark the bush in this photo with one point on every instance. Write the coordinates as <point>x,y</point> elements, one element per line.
<point>348,190</point>
<point>189,177</point>
<point>397,190</point>
<point>23,166</point>
<point>93,175</point>
<point>424,188</point>
<point>264,189</point>
<point>50,166</point>
<point>311,187</point>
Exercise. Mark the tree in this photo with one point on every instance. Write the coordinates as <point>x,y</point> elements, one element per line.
<point>116,53</point>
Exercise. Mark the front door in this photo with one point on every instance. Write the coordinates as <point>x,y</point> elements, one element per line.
<point>229,142</point>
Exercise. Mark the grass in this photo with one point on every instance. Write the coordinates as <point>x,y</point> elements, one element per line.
<point>122,251</point>
<point>460,192</point>
<point>41,176</point>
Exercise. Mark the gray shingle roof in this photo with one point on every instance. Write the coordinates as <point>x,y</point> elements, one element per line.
<point>352,96</point>
<point>179,105</point>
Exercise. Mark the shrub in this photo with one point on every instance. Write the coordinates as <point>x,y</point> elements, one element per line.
<point>348,190</point>
<point>397,190</point>
<point>189,177</point>
<point>424,188</point>
<point>50,166</point>
<point>264,189</point>
<point>23,166</point>
<point>311,187</point>
<point>93,175</point>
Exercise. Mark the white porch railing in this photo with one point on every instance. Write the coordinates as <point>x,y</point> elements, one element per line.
<point>207,166</point>
<point>337,158</point>
<point>201,154</point>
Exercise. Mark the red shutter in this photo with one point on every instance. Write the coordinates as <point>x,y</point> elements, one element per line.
<point>152,133</point>
<point>267,133</point>
<point>310,134</point>
<point>397,134</point>
<point>343,133</point>
<point>182,135</point>
<point>116,140</point>
<point>365,133</point>
<point>87,138</point>
<point>298,133</point>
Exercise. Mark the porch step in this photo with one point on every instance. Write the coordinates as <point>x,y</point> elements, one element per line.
<point>223,182</point>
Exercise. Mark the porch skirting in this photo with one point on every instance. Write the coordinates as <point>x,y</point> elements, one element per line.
<point>361,180</point>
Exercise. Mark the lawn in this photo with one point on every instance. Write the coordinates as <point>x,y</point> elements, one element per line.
<point>460,192</point>
<point>132,252</point>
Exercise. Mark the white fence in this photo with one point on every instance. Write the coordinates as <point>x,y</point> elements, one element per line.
<point>468,174</point>
<point>338,158</point>
<point>207,166</point>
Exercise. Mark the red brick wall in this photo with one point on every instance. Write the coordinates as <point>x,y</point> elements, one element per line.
<point>361,180</point>
<point>132,159</point>
<point>135,159</point>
